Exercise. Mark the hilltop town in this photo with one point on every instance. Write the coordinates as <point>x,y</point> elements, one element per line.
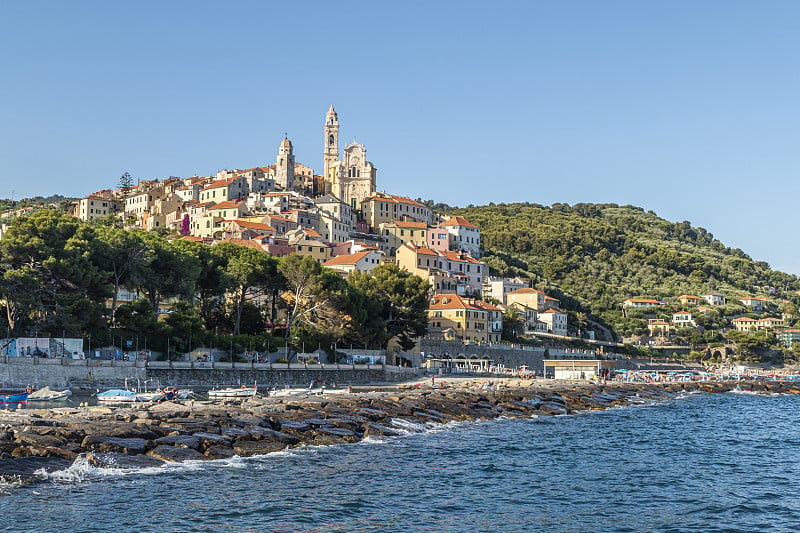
<point>341,220</point>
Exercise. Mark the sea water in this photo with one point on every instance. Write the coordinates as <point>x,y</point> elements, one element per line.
<point>706,462</point>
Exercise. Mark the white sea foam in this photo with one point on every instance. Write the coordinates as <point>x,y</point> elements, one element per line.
<point>405,427</point>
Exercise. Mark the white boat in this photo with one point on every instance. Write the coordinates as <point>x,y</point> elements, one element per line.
<point>308,392</point>
<point>290,392</point>
<point>233,392</point>
<point>167,393</point>
<point>116,396</point>
<point>46,394</point>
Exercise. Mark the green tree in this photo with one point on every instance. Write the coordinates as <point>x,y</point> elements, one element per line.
<point>165,271</point>
<point>122,252</point>
<point>49,282</point>
<point>251,274</point>
<point>402,299</point>
<point>303,296</point>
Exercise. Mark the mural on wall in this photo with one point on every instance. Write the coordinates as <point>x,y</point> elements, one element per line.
<point>42,347</point>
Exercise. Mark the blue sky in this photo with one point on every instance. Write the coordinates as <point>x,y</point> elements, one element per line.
<point>691,109</point>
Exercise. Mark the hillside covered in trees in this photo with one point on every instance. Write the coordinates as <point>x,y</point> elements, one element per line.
<point>594,256</point>
<point>61,277</point>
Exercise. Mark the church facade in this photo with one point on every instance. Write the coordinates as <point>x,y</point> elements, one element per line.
<point>352,178</point>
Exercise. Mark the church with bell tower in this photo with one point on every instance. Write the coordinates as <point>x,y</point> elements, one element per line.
<point>352,178</point>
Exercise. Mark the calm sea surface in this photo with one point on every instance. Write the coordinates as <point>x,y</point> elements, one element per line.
<point>707,463</point>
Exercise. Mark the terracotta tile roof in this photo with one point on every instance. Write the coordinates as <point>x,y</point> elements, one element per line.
<point>658,323</point>
<point>350,259</point>
<point>247,243</point>
<point>526,290</point>
<point>686,297</point>
<point>218,183</point>
<point>643,300</point>
<point>413,225</point>
<point>311,232</point>
<point>457,221</point>
<point>190,238</point>
<point>420,250</point>
<point>253,225</point>
<point>550,310</point>
<point>743,319</point>
<point>486,305</point>
<point>458,256</point>
<point>451,301</point>
<point>385,197</point>
<point>228,204</point>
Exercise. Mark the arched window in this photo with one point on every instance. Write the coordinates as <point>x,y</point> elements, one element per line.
<point>330,140</point>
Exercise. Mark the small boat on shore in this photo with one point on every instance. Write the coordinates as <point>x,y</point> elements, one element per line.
<point>233,392</point>
<point>46,394</point>
<point>15,399</point>
<point>116,396</point>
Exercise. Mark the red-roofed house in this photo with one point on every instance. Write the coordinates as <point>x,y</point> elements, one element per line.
<point>755,303</point>
<point>642,303</point>
<point>382,207</point>
<point>228,210</point>
<point>463,235</point>
<point>451,317</point>
<point>397,233</point>
<point>556,321</point>
<point>362,261</point>
<point>683,319</point>
<point>245,229</point>
<point>687,299</point>
<point>443,268</point>
<point>528,297</point>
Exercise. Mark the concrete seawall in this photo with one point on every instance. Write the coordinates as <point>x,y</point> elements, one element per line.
<point>90,374</point>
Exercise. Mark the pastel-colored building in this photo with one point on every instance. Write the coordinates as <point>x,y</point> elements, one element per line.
<point>683,319</point>
<point>450,315</point>
<point>714,298</point>
<point>463,235</point>
<point>497,288</point>
<point>687,299</point>
<point>361,261</point>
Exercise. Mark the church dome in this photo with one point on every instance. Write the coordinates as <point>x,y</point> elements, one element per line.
<point>286,143</point>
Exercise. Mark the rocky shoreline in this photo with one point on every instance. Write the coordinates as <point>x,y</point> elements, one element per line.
<point>47,440</point>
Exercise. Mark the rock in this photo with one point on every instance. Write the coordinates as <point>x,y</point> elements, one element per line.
<point>121,460</point>
<point>295,425</point>
<point>373,429</point>
<point>34,439</point>
<point>234,433</point>
<point>259,433</point>
<point>194,425</point>
<point>175,454</point>
<point>211,439</point>
<point>184,441</point>
<point>22,470</point>
<point>219,452</point>
<point>132,446</point>
<point>247,448</point>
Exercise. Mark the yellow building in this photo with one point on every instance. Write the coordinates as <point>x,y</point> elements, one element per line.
<point>450,315</point>
<point>398,233</point>
<point>528,297</point>
<point>383,207</point>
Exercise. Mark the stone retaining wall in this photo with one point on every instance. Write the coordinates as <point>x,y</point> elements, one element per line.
<point>90,374</point>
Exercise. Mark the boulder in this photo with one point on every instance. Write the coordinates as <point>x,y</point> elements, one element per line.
<point>247,448</point>
<point>121,460</point>
<point>175,454</point>
<point>184,441</point>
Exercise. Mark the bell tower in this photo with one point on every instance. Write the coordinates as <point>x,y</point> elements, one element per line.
<point>284,165</point>
<point>331,152</point>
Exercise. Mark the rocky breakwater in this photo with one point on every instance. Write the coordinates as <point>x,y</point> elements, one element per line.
<point>36,442</point>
